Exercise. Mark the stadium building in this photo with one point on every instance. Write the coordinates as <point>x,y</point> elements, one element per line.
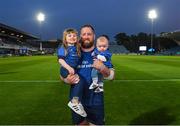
<point>16,42</point>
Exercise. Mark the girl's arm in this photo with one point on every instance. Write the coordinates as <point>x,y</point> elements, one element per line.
<point>65,65</point>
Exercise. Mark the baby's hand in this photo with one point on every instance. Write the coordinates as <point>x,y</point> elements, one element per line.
<point>71,70</point>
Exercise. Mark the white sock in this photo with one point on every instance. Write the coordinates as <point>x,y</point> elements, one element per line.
<point>95,80</point>
<point>101,84</point>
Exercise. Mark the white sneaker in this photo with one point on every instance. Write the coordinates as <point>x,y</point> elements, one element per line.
<point>93,86</point>
<point>99,89</point>
<point>77,108</point>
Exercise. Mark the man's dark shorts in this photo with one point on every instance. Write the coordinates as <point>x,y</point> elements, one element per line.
<point>95,115</point>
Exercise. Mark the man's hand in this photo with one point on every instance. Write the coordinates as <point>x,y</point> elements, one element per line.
<point>97,64</point>
<point>71,79</point>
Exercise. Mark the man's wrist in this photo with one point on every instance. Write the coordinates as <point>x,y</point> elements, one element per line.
<point>65,80</point>
<point>102,67</point>
<point>104,71</point>
<point>111,75</point>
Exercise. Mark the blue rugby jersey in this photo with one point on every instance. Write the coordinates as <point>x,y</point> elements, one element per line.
<point>71,57</point>
<point>89,98</point>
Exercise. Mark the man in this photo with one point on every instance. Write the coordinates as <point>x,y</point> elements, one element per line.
<point>93,102</point>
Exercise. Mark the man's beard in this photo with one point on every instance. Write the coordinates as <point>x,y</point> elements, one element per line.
<point>86,44</point>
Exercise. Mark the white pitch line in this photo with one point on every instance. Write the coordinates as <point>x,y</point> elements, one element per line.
<point>31,81</point>
<point>148,80</point>
<point>56,81</point>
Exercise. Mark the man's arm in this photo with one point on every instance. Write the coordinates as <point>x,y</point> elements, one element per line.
<point>106,72</point>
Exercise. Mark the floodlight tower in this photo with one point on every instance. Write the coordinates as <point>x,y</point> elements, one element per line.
<point>40,18</point>
<point>152,15</point>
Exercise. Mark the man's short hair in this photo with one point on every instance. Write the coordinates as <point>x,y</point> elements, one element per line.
<point>89,26</point>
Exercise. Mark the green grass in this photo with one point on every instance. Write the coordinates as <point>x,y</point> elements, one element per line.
<point>146,90</point>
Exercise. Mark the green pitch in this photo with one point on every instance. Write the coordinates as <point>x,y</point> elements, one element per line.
<point>146,90</point>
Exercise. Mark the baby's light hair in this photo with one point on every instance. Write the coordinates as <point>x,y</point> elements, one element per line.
<point>103,38</point>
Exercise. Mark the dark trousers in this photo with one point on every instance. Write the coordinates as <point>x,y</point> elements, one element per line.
<point>64,72</point>
<point>76,90</point>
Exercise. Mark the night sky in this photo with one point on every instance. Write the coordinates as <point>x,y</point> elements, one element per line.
<point>107,16</point>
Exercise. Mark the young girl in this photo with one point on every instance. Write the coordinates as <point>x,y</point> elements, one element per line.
<point>69,55</point>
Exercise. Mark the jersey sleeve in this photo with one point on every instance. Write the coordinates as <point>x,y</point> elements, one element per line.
<point>61,53</point>
<point>108,55</point>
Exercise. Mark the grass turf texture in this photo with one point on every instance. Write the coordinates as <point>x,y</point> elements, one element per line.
<point>146,90</point>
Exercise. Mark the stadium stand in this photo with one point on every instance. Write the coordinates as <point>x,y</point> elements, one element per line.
<point>14,41</point>
<point>117,49</point>
<point>17,42</point>
<point>171,51</point>
<point>175,35</point>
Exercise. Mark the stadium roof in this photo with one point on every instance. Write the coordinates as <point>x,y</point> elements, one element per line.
<point>6,30</point>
